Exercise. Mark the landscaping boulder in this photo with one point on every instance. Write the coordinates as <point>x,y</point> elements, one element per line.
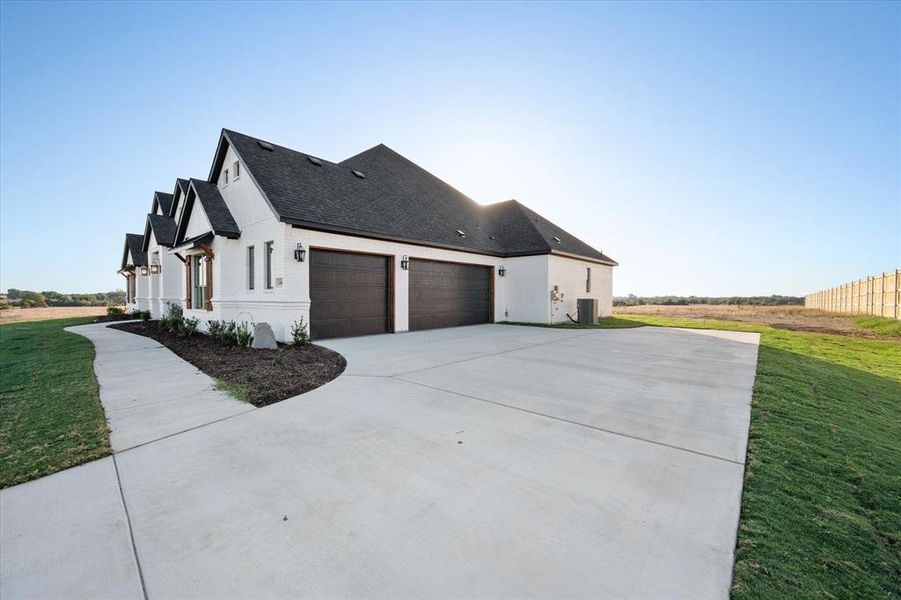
<point>263,337</point>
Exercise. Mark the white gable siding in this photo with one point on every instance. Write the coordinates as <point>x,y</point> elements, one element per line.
<point>176,205</point>
<point>198,224</point>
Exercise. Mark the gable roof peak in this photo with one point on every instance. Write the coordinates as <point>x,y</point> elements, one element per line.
<point>134,243</point>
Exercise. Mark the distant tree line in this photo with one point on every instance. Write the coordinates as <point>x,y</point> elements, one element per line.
<point>29,299</point>
<point>775,300</point>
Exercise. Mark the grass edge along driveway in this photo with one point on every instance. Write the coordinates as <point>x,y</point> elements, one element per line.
<point>821,506</point>
<point>51,417</point>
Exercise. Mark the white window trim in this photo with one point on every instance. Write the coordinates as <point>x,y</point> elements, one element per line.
<point>236,170</point>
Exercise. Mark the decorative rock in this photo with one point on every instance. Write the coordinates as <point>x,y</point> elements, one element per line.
<point>263,338</point>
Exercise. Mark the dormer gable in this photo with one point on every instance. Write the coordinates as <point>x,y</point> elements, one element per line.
<point>204,212</point>
<point>162,203</point>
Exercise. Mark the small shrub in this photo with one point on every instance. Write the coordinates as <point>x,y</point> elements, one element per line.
<point>144,315</point>
<point>299,333</point>
<point>163,324</point>
<point>116,312</point>
<point>173,321</point>
<point>174,310</point>
<point>189,326</point>
<point>230,332</point>
<point>243,335</point>
<point>215,329</point>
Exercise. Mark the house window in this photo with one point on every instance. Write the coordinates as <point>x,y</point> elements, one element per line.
<point>588,279</point>
<point>267,265</point>
<point>250,267</point>
<point>200,293</point>
<point>225,177</point>
<point>236,168</point>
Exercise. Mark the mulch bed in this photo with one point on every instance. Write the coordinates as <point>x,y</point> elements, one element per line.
<point>264,376</point>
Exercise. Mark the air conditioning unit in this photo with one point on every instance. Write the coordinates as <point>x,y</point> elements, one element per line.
<point>588,310</point>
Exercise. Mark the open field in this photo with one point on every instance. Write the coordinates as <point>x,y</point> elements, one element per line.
<point>821,507</point>
<point>795,318</point>
<point>20,315</point>
<point>50,413</point>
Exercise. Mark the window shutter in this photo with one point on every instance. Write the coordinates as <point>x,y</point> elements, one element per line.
<point>209,283</point>
<point>188,282</point>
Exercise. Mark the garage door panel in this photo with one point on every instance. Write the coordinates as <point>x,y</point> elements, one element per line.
<point>349,294</point>
<point>448,294</point>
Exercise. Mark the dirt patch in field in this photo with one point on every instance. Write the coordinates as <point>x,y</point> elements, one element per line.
<point>19,315</point>
<point>260,377</point>
<point>795,318</point>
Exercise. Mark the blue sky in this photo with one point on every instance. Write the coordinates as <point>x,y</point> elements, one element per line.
<point>713,149</point>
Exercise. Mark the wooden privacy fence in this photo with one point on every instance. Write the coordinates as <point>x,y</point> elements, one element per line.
<point>877,295</point>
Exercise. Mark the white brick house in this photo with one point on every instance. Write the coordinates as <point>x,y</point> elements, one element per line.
<point>372,244</point>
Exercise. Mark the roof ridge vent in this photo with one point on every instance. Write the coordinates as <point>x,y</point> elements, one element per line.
<point>266,145</point>
<point>315,161</point>
<point>358,174</point>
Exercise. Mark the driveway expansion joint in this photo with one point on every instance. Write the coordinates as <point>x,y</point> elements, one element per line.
<point>490,355</point>
<point>572,422</point>
<point>131,533</point>
<point>186,430</point>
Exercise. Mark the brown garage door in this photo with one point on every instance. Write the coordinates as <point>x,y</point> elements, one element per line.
<point>349,294</point>
<point>448,294</point>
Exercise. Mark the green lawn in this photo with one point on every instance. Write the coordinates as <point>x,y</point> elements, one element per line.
<point>880,325</point>
<point>821,508</point>
<point>50,412</point>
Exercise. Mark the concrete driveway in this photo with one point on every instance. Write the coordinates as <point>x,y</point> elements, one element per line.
<point>486,461</point>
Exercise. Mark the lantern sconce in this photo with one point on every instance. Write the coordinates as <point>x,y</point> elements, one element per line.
<point>155,268</point>
<point>144,271</point>
<point>300,253</point>
<point>405,262</point>
<point>501,271</point>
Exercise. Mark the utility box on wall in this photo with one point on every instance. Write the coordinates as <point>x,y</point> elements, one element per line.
<point>588,310</point>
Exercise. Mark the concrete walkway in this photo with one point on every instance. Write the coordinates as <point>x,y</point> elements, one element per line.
<point>148,392</point>
<point>479,461</point>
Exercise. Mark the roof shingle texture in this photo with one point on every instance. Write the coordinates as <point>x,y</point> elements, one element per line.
<point>163,229</point>
<point>214,206</point>
<point>396,199</point>
<point>165,202</point>
<point>135,243</point>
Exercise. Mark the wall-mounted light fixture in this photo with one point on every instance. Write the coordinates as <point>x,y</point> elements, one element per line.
<point>300,253</point>
<point>501,271</point>
<point>405,262</point>
<point>155,267</point>
<point>144,271</point>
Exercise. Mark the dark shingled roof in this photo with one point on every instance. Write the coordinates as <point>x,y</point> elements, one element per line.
<point>163,230</point>
<point>180,189</point>
<point>164,201</point>
<point>214,206</point>
<point>523,230</point>
<point>394,199</point>
<point>134,243</point>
